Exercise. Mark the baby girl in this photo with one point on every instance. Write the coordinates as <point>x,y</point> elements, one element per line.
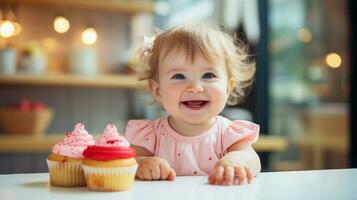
<point>193,71</point>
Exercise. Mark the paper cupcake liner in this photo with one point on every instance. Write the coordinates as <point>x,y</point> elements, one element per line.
<point>66,174</point>
<point>110,171</point>
<point>110,179</point>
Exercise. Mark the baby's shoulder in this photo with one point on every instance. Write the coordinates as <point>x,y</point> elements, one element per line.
<point>140,124</point>
<point>227,125</point>
<point>223,122</point>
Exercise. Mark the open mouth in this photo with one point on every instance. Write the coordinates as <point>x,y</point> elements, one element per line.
<point>195,105</point>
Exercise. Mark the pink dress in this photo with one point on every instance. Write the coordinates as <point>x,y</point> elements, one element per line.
<point>195,155</point>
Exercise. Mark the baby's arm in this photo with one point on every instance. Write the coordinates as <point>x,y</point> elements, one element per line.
<point>240,165</point>
<point>152,168</point>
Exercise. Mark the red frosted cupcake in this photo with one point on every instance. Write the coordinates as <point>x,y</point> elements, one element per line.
<point>109,165</point>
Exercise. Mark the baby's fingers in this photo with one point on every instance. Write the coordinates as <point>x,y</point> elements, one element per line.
<point>164,172</point>
<point>139,174</point>
<point>228,175</point>
<point>155,172</point>
<point>172,175</point>
<point>212,178</point>
<point>146,174</point>
<point>240,173</point>
<point>216,177</point>
<point>249,174</point>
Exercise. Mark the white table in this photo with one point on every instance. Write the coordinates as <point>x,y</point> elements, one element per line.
<point>301,185</point>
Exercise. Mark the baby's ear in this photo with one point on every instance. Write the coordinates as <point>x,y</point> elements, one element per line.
<point>155,90</point>
<point>230,85</point>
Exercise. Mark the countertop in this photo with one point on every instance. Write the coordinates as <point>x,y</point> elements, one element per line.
<point>318,184</point>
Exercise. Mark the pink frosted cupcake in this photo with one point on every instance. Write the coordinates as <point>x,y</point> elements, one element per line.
<point>65,162</point>
<point>109,165</point>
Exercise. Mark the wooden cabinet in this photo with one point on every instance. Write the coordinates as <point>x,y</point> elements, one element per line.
<point>55,82</point>
<point>43,144</point>
<point>98,81</point>
<point>123,6</point>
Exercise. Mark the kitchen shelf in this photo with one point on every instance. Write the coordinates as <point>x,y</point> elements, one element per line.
<point>123,6</point>
<point>98,81</point>
<point>43,144</point>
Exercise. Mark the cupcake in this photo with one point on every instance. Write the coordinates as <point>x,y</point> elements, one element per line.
<point>65,161</point>
<point>109,165</point>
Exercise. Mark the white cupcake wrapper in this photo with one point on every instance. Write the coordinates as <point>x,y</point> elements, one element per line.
<point>70,166</point>
<point>115,171</point>
<point>110,179</point>
<point>66,174</point>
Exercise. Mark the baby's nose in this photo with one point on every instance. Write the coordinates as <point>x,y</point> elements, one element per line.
<point>195,87</point>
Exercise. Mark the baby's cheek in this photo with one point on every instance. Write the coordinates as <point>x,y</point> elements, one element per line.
<point>218,93</point>
<point>171,94</point>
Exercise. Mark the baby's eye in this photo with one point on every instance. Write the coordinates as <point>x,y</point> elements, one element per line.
<point>178,76</point>
<point>209,75</point>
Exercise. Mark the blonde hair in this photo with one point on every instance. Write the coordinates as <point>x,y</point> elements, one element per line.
<point>207,41</point>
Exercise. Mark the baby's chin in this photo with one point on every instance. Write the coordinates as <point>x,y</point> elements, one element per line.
<point>199,120</point>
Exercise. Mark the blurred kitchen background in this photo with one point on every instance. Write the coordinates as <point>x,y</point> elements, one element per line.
<point>69,61</point>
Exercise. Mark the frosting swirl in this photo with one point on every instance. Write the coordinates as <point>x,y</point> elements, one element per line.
<point>110,145</point>
<point>74,142</point>
<point>111,138</point>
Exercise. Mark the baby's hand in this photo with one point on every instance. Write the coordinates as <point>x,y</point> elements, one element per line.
<point>228,173</point>
<point>155,168</point>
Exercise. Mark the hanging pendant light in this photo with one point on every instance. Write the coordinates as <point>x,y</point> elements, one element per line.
<point>89,36</point>
<point>7,29</point>
<point>61,24</point>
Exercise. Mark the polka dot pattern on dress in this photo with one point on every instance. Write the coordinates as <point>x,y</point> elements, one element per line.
<point>182,152</point>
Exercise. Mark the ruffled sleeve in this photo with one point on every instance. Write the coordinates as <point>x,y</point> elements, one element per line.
<point>141,133</point>
<point>239,130</point>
